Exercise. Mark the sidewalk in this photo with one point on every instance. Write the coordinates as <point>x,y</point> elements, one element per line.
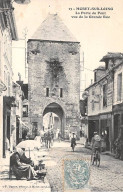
<point>23,185</point>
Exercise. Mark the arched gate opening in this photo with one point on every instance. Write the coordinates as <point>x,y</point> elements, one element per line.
<point>54,116</point>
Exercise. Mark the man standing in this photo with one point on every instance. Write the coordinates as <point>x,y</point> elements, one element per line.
<point>59,136</point>
<point>96,142</point>
<point>73,141</point>
<point>48,139</point>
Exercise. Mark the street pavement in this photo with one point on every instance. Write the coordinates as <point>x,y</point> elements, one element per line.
<point>107,177</point>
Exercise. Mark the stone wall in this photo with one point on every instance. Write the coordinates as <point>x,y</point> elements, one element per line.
<point>54,65</point>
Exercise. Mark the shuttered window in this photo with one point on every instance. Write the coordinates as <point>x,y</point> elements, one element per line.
<point>105,95</point>
<point>119,87</point>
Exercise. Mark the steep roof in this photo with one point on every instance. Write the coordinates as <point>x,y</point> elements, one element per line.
<point>100,68</point>
<point>52,28</point>
<point>111,55</point>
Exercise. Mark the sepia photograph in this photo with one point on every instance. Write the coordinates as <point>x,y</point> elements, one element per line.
<point>61,96</point>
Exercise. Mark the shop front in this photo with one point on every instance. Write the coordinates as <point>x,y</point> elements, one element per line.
<point>105,129</point>
<point>93,125</point>
<point>118,120</point>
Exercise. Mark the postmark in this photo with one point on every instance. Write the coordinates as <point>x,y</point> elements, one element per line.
<point>76,174</point>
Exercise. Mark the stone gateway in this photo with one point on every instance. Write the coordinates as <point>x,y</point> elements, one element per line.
<point>54,76</point>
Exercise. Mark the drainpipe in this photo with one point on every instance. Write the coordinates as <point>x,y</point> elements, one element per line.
<point>112,118</point>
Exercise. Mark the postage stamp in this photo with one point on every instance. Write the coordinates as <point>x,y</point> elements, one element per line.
<point>76,174</point>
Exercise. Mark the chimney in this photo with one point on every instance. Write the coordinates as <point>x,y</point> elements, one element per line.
<point>19,75</point>
<point>99,73</point>
<point>20,82</point>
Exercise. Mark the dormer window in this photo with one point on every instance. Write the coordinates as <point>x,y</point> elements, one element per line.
<point>110,64</point>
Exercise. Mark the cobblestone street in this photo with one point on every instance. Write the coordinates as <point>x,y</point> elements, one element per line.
<point>108,177</point>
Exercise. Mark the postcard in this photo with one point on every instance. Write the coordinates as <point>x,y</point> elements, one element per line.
<point>61,96</point>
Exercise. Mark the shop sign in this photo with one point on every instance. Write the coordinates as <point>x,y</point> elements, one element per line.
<point>106,116</point>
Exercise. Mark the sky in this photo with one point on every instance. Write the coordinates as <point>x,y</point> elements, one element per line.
<point>96,36</point>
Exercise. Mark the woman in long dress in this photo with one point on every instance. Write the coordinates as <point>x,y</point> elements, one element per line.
<point>38,140</point>
<point>19,168</point>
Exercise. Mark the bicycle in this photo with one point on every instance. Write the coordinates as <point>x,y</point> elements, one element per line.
<point>95,156</point>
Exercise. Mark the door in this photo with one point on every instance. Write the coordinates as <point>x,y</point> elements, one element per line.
<point>6,133</point>
<point>8,127</point>
<point>17,130</point>
<point>107,139</point>
<point>116,125</point>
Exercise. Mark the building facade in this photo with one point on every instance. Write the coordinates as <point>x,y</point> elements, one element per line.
<point>100,104</point>
<point>105,100</point>
<point>16,116</point>
<point>53,75</point>
<point>114,63</point>
<point>117,110</point>
<point>7,34</point>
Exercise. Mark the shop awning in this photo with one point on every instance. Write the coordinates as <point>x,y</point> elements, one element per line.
<point>93,117</point>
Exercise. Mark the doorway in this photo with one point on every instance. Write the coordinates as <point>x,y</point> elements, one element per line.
<point>55,115</point>
<point>116,125</point>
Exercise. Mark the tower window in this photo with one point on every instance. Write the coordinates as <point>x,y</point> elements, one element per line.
<point>61,92</point>
<point>47,92</point>
<point>25,110</point>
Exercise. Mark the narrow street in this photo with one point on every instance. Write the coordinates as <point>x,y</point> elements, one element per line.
<point>61,77</point>
<point>108,177</point>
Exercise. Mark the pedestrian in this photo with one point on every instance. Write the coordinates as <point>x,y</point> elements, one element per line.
<point>45,139</point>
<point>48,139</point>
<point>21,169</point>
<point>73,141</point>
<point>117,144</point>
<point>96,142</point>
<point>59,136</point>
<point>42,138</point>
<point>52,138</point>
<point>38,139</point>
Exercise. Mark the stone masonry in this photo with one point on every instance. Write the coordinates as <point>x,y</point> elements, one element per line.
<point>54,77</point>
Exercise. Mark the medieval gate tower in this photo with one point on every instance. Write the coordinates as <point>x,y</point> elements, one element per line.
<point>54,75</point>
